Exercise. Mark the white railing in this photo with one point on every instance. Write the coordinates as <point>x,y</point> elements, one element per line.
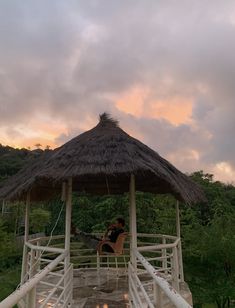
<point>156,281</point>
<point>46,281</point>
<point>166,257</point>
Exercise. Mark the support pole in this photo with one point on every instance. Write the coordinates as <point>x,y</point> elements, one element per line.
<point>26,237</point>
<point>177,218</point>
<point>67,285</point>
<point>3,206</point>
<point>31,296</point>
<point>178,232</point>
<point>68,221</point>
<point>133,228</point>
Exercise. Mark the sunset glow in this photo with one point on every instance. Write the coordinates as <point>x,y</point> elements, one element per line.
<point>139,103</point>
<point>161,73</point>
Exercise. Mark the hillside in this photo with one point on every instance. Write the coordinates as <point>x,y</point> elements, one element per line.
<point>13,159</point>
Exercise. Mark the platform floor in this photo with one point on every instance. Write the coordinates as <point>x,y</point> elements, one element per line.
<point>106,290</point>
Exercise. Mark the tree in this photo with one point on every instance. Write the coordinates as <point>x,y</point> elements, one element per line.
<point>39,219</point>
<point>38,145</point>
<point>210,245</point>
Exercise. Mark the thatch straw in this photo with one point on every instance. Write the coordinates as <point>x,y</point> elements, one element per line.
<point>100,161</point>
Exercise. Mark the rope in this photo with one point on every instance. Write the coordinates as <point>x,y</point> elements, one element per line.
<point>48,243</point>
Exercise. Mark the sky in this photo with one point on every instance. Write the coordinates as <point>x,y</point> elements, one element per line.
<point>165,69</point>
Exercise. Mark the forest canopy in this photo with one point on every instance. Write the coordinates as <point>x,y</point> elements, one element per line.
<point>208,230</point>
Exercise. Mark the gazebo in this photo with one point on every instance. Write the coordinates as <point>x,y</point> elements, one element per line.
<point>102,161</point>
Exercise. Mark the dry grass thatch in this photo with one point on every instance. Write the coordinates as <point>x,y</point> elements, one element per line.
<point>100,161</point>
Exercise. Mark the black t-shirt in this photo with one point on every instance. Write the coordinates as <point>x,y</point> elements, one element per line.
<point>114,234</point>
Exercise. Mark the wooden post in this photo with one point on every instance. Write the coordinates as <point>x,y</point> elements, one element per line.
<point>31,297</point>
<point>26,237</point>
<point>3,206</point>
<point>164,256</point>
<point>157,296</point>
<point>68,221</point>
<point>175,269</point>
<point>178,232</point>
<point>68,235</point>
<point>177,219</point>
<point>133,227</point>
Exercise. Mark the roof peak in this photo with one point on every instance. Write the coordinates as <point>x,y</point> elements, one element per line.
<point>106,118</point>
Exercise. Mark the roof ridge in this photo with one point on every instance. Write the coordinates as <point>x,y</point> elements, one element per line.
<point>106,118</point>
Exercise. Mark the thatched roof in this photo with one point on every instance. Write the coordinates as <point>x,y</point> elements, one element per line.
<point>100,161</point>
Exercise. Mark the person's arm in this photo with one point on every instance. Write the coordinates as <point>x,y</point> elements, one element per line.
<point>106,234</point>
<point>110,228</point>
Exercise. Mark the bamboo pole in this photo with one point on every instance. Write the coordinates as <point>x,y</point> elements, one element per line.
<point>26,237</point>
<point>17,295</point>
<point>68,232</point>
<point>175,269</point>
<point>68,221</point>
<point>133,227</point>
<point>177,219</point>
<point>179,246</point>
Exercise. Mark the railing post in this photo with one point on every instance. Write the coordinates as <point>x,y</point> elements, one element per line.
<point>37,256</point>
<point>178,232</point>
<point>26,237</point>
<point>31,297</point>
<point>157,296</point>
<point>175,269</point>
<point>68,221</point>
<point>164,256</point>
<point>133,227</point>
<point>177,218</point>
<point>180,256</point>
<point>68,232</point>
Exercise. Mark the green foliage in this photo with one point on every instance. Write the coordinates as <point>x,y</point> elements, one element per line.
<point>208,230</point>
<point>210,245</point>
<point>38,219</point>
<point>9,254</point>
<point>12,160</point>
<point>93,214</point>
<point>9,279</point>
<point>57,217</point>
<point>14,218</point>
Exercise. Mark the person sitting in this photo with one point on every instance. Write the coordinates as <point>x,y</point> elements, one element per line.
<point>101,244</point>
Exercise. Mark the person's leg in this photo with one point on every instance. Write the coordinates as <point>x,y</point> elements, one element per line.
<point>89,240</point>
<point>107,248</point>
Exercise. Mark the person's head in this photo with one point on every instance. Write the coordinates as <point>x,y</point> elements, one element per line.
<point>120,222</point>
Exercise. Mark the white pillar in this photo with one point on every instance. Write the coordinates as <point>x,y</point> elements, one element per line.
<point>26,237</point>
<point>3,206</point>
<point>178,232</point>
<point>68,221</point>
<point>133,228</point>
<point>177,218</point>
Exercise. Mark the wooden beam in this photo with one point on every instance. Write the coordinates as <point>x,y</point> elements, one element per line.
<point>68,221</point>
<point>177,219</point>
<point>133,227</point>
<point>26,237</point>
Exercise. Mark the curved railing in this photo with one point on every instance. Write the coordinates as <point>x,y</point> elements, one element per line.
<point>158,278</point>
<point>46,280</point>
<point>161,290</point>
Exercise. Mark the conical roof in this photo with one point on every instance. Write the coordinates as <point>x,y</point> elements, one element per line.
<point>100,161</point>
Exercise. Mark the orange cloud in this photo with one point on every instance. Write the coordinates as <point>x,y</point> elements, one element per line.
<point>42,129</point>
<point>133,101</point>
<point>177,110</point>
<point>39,129</point>
<point>223,171</point>
<point>139,102</point>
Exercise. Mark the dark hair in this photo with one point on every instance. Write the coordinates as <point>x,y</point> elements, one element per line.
<point>121,221</point>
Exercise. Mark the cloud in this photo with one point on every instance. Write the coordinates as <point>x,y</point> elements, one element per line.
<point>165,69</point>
